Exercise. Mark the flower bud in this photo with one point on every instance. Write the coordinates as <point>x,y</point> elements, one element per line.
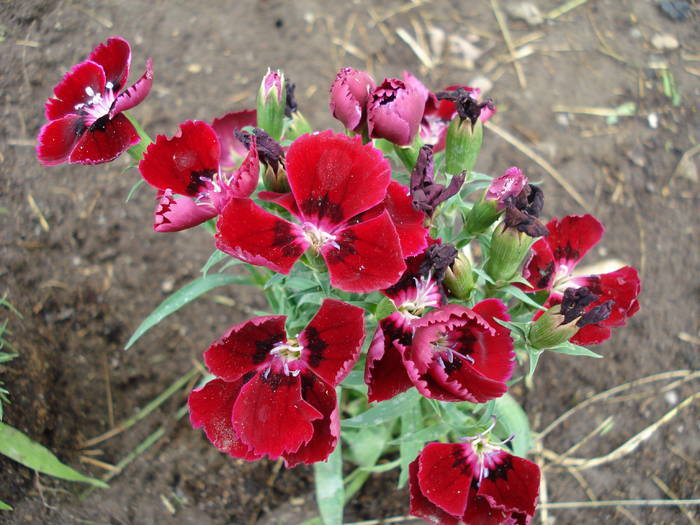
<point>507,252</point>
<point>298,126</point>
<point>276,180</point>
<point>551,330</point>
<point>350,94</point>
<point>462,145</point>
<point>396,108</point>
<point>272,103</point>
<point>459,279</point>
<point>482,215</point>
<point>501,191</point>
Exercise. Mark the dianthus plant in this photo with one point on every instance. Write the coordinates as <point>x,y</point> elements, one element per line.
<point>406,292</point>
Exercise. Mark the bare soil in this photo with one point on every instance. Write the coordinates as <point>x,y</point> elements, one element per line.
<point>85,279</point>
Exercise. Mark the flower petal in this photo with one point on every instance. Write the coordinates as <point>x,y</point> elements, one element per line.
<point>385,374</point>
<point>244,180</point>
<point>211,407</point>
<point>421,506</point>
<point>512,483</point>
<point>174,214</point>
<point>570,239</point>
<point>326,429</point>
<point>114,56</point>
<point>334,177</point>
<point>271,417</point>
<point>479,512</point>
<point>445,473</point>
<point>104,141</point>
<point>249,233</point>
<point>75,89</point>
<point>367,258</point>
<point>333,339</point>
<point>57,139</point>
<point>136,93</point>
<point>232,149</point>
<point>245,347</point>
<point>285,200</point>
<point>408,221</point>
<point>540,269</point>
<point>183,162</point>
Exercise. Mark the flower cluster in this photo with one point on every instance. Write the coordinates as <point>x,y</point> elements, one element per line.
<point>339,238</point>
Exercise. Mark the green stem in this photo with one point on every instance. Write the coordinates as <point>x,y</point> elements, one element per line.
<point>137,150</point>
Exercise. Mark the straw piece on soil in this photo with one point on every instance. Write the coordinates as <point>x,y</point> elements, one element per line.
<point>667,490</point>
<point>564,8</point>
<point>420,53</point>
<point>35,208</point>
<point>509,42</point>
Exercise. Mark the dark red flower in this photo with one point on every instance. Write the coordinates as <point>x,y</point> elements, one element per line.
<point>460,353</point>
<point>439,113</point>
<point>86,124</point>
<point>274,395</point>
<point>189,165</point>
<point>473,482</point>
<point>395,109</point>
<point>350,93</point>
<point>232,150</point>
<point>427,195</point>
<point>553,261</point>
<point>334,179</point>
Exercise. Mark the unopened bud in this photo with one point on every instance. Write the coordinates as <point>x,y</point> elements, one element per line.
<point>459,279</point>
<point>462,145</point>
<point>550,330</point>
<point>482,215</point>
<point>272,103</point>
<point>298,126</point>
<point>276,180</point>
<point>507,252</point>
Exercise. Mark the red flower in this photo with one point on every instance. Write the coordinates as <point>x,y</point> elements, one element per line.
<point>334,180</point>
<point>553,261</point>
<point>275,395</point>
<point>395,109</point>
<point>350,93</point>
<point>233,151</point>
<point>472,482</point>
<point>86,124</point>
<point>190,164</point>
<point>460,353</point>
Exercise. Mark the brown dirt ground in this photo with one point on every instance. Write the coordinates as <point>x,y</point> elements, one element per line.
<point>84,283</point>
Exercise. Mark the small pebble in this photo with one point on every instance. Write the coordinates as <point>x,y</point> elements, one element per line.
<point>671,397</point>
<point>527,11</point>
<point>562,119</point>
<point>664,42</point>
<point>167,285</point>
<point>194,68</point>
<point>653,120</point>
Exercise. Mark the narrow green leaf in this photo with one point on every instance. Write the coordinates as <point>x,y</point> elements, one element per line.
<point>366,445</point>
<point>573,349</point>
<point>19,447</point>
<point>4,506</point>
<point>384,308</point>
<point>135,187</point>
<point>330,494</point>
<point>273,280</point>
<point>513,419</point>
<point>383,467</point>
<point>431,433</point>
<point>518,293</point>
<point>534,359</point>
<point>355,381</point>
<point>311,298</point>
<point>384,411</point>
<point>408,450</point>
<point>214,259</point>
<point>181,297</point>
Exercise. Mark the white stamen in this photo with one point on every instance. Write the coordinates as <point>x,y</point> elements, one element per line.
<point>89,91</point>
<point>109,85</point>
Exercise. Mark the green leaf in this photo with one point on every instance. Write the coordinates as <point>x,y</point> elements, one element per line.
<point>19,447</point>
<point>366,445</point>
<point>573,349</point>
<point>274,280</point>
<point>4,506</point>
<point>312,298</point>
<point>534,359</point>
<point>431,433</point>
<point>135,187</point>
<point>519,294</point>
<point>181,297</point>
<point>384,308</point>
<point>214,259</point>
<point>408,450</point>
<point>520,329</point>
<point>382,467</point>
<point>330,494</point>
<point>355,381</point>
<point>384,411</point>
<point>514,421</point>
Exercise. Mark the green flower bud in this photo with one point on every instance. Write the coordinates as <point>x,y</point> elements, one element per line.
<point>275,180</point>
<point>298,126</point>
<point>462,145</point>
<point>459,278</point>
<point>549,330</point>
<point>271,102</point>
<point>482,215</point>
<point>508,251</point>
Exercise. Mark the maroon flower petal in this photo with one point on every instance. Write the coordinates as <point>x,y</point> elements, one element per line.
<point>621,286</point>
<point>232,149</point>
<point>385,374</point>
<point>334,177</point>
<point>104,141</point>
<point>57,139</point>
<point>138,91</point>
<point>540,270</point>
<point>445,473</point>
<point>175,214</point>
<point>570,239</point>
<point>75,88</point>
<point>333,339</point>
<point>249,233</point>
<point>591,334</point>
<point>368,256</point>
<point>244,180</point>
<point>114,56</point>
<point>211,407</point>
<point>182,162</point>
<point>244,347</point>
<point>479,512</point>
<point>285,200</point>
<point>326,429</point>
<point>271,417</point>
<point>421,506</point>
<point>512,484</point>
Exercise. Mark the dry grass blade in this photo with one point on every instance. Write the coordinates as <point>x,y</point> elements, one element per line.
<point>509,42</point>
<point>546,166</point>
<point>420,53</point>
<point>597,430</point>
<point>667,490</point>
<point>628,446</point>
<point>35,208</point>
<point>620,502</point>
<point>564,8</point>
<point>685,375</point>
